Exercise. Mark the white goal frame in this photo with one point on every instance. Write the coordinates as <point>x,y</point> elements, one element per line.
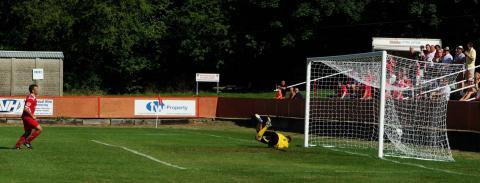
<point>382,87</point>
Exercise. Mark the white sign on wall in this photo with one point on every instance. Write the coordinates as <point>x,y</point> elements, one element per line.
<point>206,77</point>
<point>37,74</point>
<point>44,107</point>
<point>16,106</point>
<point>166,107</point>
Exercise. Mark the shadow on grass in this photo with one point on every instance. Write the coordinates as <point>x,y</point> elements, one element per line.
<point>6,148</point>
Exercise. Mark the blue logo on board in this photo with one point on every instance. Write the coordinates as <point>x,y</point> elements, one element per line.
<point>9,105</point>
<point>155,106</point>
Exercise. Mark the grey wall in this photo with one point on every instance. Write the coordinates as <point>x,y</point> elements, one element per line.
<point>16,75</point>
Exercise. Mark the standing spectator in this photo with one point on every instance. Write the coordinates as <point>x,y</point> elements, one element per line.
<point>430,53</point>
<point>413,54</point>
<point>278,94</point>
<point>470,55</point>
<point>283,88</point>
<point>367,88</point>
<point>353,86</point>
<point>297,94</point>
<point>438,55</point>
<point>421,55</point>
<point>292,93</point>
<point>447,58</point>
<point>342,90</point>
<point>459,56</point>
<point>460,59</point>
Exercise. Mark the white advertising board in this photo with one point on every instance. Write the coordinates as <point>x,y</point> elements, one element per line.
<point>402,44</point>
<point>169,108</point>
<point>15,106</point>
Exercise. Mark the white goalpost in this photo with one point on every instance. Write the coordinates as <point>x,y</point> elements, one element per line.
<point>375,103</point>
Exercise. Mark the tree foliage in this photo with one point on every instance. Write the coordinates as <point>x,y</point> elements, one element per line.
<point>138,45</point>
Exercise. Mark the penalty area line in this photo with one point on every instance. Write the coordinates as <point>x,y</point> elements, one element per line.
<point>141,154</point>
<point>408,164</point>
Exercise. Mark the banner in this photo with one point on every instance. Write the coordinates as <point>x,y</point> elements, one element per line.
<point>11,106</point>
<point>15,106</point>
<point>166,107</point>
<point>44,107</point>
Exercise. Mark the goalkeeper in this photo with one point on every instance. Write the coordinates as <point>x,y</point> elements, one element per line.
<point>273,139</point>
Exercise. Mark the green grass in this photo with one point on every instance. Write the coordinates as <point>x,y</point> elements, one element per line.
<point>210,152</point>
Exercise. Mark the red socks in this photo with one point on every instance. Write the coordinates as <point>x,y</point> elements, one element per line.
<point>20,141</point>
<point>33,136</point>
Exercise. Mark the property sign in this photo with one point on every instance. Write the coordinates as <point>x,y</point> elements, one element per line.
<point>170,108</point>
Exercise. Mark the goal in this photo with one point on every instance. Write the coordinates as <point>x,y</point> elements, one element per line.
<point>375,103</point>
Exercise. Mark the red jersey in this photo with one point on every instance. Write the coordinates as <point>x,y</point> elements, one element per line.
<point>343,90</point>
<point>367,87</point>
<point>30,103</point>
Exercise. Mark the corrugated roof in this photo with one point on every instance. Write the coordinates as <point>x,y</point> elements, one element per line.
<point>31,54</point>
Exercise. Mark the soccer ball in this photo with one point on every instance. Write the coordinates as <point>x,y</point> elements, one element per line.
<point>399,132</point>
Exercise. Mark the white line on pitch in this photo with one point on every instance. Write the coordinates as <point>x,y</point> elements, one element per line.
<point>428,168</point>
<point>226,137</point>
<point>409,164</point>
<point>140,154</point>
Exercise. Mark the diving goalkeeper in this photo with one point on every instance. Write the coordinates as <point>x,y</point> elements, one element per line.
<point>273,139</point>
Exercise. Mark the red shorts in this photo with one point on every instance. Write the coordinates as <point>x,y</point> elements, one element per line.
<point>29,123</point>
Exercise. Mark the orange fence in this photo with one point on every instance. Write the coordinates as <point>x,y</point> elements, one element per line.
<point>460,116</point>
<point>116,107</point>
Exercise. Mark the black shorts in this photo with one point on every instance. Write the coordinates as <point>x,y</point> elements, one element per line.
<point>272,138</point>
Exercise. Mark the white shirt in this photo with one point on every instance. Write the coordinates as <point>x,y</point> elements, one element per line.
<point>446,91</point>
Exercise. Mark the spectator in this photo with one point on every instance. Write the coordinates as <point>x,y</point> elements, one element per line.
<point>445,91</point>
<point>279,93</point>
<point>413,54</point>
<point>430,53</point>
<point>342,90</point>
<point>353,86</point>
<point>292,93</point>
<point>447,57</point>
<point>477,77</point>
<point>421,55</point>
<point>391,66</point>
<point>459,59</point>
<point>297,94</point>
<point>283,88</point>
<point>472,91</point>
<point>367,88</point>
<point>470,55</point>
<point>438,55</point>
<point>459,56</point>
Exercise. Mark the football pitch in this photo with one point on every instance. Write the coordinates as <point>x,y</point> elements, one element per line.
<point>220,152</point>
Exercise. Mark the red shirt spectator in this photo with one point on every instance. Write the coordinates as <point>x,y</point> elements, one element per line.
<point>367,87</point>
<point>343,91</point>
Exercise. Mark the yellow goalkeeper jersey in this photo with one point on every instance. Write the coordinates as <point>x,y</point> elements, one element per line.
<point>282,142</point>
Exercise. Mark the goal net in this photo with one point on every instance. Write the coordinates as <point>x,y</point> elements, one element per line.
<point>378,103</point>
